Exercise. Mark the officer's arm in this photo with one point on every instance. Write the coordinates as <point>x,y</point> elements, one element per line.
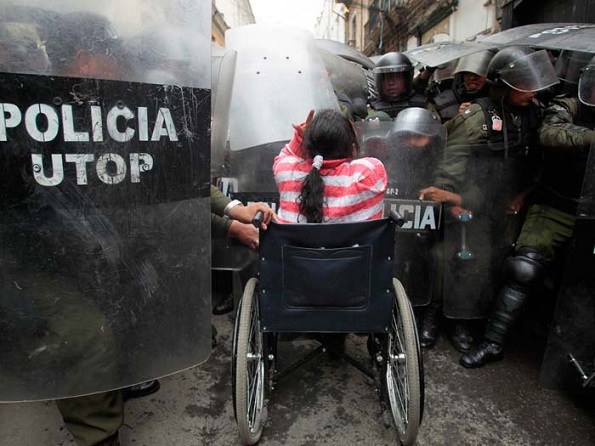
<point>218,201</point>
<point>558,131</point>
<point>451,170</point>
<point>219,225</point>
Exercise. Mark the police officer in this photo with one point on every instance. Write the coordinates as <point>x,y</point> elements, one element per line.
<point>469,83</point>
<point>566,135</point>
<point>486,173</point>
<point>393,75</point>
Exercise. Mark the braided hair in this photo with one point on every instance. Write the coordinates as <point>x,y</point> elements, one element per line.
<point>330,135</point>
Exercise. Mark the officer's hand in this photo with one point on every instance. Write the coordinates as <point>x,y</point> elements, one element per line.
<point>518,202</point>
<point>458,212</point>
<point>245,233</point>
<point>433,193</point>
<point>245,214</point>
<point>463,106</point>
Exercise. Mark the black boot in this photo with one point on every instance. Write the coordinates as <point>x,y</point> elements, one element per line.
<point>522,272</point>
<point>459,335</point>
<point>430,323</point>
<point>143,389</point>
<point>509,305</point>
<point>224,307</point>
<point>481,355</point>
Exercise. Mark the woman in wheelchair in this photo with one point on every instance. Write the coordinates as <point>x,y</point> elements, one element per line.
<point>327,279</point>
<point>319,178</point>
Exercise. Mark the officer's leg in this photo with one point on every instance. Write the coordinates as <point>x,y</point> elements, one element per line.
<point>94,419</point>
<point>545,231</point>
<point>521,273</point>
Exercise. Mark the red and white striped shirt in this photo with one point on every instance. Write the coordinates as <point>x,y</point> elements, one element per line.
<point>353,188</point>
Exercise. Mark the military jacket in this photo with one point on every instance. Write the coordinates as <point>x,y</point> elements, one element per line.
<point>566,136</point>
<point>490,154</point>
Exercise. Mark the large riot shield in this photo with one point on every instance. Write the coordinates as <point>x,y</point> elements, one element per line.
<point>224,66</point>
<point>569,359</point>
<point>105,210</point>
<point>410,150</point>
<point>275,86</point>
<point>481,233</point>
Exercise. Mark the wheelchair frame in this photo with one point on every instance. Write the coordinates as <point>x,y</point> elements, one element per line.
<point>393,341</point>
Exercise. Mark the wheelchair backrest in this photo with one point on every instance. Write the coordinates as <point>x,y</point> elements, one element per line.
<point>327,277</point>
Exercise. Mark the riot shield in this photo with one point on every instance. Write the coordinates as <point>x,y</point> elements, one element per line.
<point>479,235</point>
<point>440,53</point>
<point>556,36</point>
<point>275,86</point>
<point>569,359</point>
<point>105,221</point>
<point>410,150</point>
<point>224,65</point>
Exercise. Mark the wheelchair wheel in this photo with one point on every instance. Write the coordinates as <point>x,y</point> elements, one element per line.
<point>249,368</point>
<point>403,371</point>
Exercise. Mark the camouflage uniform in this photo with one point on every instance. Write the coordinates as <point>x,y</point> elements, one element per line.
<point>566,136</point>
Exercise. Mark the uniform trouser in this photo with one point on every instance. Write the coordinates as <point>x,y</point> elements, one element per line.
<point>62,345</point>
<point>94,418</point>
<point>546,229</point>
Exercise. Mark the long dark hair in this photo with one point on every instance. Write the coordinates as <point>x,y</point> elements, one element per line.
<point>331,135</point>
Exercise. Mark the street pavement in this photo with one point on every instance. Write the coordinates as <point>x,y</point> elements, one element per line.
<point>329,402</point>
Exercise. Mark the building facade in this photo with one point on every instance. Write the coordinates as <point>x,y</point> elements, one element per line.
<point>379,26</point>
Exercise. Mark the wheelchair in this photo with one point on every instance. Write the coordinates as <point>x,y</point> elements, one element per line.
<point>327,278</point>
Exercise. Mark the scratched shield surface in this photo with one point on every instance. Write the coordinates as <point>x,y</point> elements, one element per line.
<point>105,220</point>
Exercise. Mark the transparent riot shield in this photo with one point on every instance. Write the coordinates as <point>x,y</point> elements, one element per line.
<point>275,86</point>
<point>492,178</point>
<point>569,359</point>
<point>410,150</point>
<point>105,209</point>
<point>224,65</point>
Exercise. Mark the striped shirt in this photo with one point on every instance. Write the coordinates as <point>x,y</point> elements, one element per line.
<point>353,188</point>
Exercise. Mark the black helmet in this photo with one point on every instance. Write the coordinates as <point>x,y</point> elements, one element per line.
<point>522,68</point>
<point>418,121</point>
<point>476,63</point>
<point>586,84</point>
<point>390,64</point>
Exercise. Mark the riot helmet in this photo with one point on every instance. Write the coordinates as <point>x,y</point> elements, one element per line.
<point>522,69</point>
<point>393,74</point>
<point>416,127</point>
<point>471,71</point>
<point>586,84</point>
<point>417,121</point>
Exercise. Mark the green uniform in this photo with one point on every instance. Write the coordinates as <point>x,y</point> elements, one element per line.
<point>566,136</point>
<point>488,161</point>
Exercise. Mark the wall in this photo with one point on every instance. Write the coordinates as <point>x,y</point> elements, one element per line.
<point>471,18</point>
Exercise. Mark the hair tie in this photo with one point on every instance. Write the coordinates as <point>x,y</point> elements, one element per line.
<point>317,163</point>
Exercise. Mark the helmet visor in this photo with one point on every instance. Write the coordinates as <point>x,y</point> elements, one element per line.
<point>586,86</point>
<point>392,69</point>
<point>476,63</point>
<point>533,72</point>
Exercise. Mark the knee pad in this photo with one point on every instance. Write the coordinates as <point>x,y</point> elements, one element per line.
<point>524,269</point>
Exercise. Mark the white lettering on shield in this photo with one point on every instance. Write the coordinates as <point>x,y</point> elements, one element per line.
<point>423,216</point>
<point>44,122</point>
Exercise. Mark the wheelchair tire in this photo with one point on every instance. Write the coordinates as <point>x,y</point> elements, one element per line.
<point>249,368</point>
<point>404,380</point>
